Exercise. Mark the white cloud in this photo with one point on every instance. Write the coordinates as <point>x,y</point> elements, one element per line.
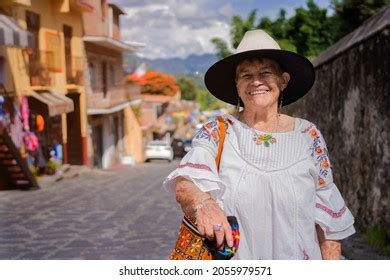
<point>173,30</point>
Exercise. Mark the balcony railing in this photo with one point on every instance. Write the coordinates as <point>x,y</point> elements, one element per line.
<point>41,68</point>
<point>114,96</point>
<point>75,71</point>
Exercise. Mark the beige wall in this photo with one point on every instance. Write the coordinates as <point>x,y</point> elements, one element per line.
<point>96,23</point>
<point>133,136</point>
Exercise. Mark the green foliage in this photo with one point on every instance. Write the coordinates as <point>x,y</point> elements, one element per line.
<point>188,88</point>
<point>222,47</point>
<point>207,101</point>
<point>352,13</point>
<point>52,166</point>
<point>377,237</point>
<point>310,30</point>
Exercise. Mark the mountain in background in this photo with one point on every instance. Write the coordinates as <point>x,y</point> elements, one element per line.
<point>193,64</point>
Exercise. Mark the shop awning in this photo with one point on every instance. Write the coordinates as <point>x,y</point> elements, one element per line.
<point>12,34</point>
<point>52,103</point>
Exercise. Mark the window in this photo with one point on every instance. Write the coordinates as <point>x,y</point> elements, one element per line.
<point>92,73</point>
<point>68,52</point>
<point>33,26</point>
<point>104,78</point>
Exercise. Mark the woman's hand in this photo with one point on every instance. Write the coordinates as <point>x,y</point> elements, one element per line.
<point>211,221</point>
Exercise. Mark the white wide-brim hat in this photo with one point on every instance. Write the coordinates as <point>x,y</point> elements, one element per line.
<point>220,77</point>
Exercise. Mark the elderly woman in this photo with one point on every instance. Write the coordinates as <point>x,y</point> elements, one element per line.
<point>274,174</point>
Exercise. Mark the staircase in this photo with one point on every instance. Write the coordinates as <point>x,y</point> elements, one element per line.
<point>14,171</point>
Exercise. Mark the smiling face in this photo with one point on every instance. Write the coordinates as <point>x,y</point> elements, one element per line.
<point>259,82</point>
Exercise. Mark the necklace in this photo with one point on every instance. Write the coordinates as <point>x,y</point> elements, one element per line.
<point>264,138</point>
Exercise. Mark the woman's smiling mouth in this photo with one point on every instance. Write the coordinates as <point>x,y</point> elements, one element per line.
<point>258,92</point>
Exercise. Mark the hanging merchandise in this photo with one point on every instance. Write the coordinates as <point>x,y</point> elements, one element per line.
<point>2,112</point>
<point>16,131</point>
<point>31,141</point>
<point>57,148</point>
<point>40,122</point>
<point>24,111</point>
<point>16,126</point>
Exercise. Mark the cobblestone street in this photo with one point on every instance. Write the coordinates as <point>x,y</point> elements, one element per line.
<point>117,214</point>
<point>95,214</point>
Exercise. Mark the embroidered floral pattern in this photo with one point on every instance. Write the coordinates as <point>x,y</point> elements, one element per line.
<point>210,132</point>
<point>308,128</point>
<point>185,238</point>
<point>267,139</point>
<point>195,165</point>
<point>319,153</point>
<point>196,245</point>
<point>330,211</point>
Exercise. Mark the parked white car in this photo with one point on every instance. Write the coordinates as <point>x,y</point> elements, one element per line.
<point>158,149</point>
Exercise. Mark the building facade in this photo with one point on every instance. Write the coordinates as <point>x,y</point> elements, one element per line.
<point>115,135</point>
<point>46,74</point>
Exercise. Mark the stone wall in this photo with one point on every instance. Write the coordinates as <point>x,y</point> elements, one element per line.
<point>350,104</point>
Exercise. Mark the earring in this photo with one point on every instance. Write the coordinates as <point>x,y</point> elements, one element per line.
<point>238,105</point>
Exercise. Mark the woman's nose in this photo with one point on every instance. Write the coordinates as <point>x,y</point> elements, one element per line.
<point>257,81</point>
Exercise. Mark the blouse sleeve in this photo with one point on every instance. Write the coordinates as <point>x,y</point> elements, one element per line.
<point>331,211</point>
<point>199,165</point>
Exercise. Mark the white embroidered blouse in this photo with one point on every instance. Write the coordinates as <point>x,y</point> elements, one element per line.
<point>277,190</point>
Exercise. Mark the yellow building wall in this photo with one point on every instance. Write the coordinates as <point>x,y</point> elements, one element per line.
<point>16,62</point>
<point>52,21</point>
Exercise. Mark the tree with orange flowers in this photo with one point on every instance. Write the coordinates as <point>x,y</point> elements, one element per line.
<point>153,82</point>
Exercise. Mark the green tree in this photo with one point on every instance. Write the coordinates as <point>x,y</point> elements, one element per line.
<point>207,101</point>
<point>188,88</point>
<point>351,14</point>
<point>309,30</point>
<point>222,47</point>
<point>278,29</point>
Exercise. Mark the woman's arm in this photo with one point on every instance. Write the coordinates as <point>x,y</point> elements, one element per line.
<point>330,249</point>
<point>201,208</point>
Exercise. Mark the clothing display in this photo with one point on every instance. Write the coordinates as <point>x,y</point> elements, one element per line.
<point>278,192</point>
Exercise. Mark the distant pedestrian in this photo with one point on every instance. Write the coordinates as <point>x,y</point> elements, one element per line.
<point>275,174</point>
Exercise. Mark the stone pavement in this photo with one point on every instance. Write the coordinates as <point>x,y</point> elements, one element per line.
<point>94,214</point>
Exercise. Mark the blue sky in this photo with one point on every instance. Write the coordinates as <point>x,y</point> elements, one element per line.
<point>178,28</point>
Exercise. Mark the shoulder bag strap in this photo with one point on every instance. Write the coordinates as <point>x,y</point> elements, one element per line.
<point>222,133</point>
